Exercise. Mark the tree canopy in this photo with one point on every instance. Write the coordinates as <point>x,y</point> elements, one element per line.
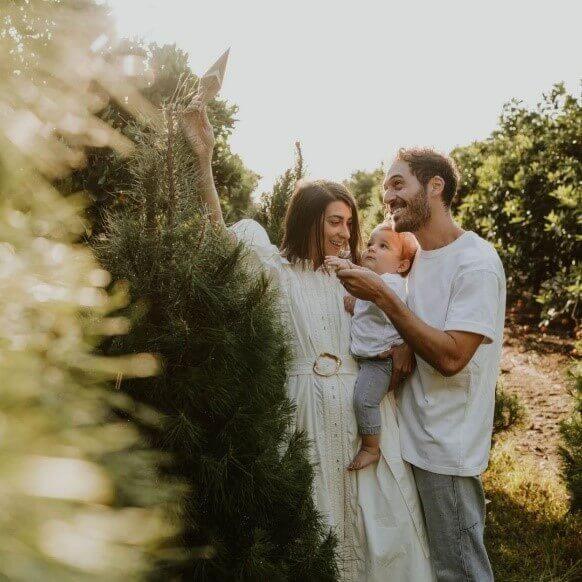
<point>521,189</point>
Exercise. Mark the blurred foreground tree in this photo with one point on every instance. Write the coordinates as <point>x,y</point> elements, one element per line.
<point>80,498</point>
<point>522,190</point>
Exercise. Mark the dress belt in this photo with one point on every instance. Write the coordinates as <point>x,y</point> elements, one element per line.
<point>324,365</point>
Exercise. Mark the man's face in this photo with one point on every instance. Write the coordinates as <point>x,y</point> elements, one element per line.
<point>405,198</point>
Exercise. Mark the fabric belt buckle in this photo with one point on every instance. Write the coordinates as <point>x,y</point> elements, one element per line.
<point>319,367</point>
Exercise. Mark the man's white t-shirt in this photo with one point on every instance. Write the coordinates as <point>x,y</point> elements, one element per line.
<point>446,423</point>
<point>372,331</point>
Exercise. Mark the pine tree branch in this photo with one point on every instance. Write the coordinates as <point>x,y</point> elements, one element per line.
<point>172,196</point>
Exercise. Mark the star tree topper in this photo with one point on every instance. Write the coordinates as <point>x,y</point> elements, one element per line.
<point>211,81</point>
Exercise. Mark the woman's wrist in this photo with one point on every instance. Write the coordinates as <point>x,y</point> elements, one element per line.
<point>205,164</point>
<point>205,175</point>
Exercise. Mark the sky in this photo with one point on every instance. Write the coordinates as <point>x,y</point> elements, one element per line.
<point>353,81</point>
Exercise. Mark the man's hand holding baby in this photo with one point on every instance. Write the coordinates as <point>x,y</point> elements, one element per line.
<point>349,303</point>
<point>403,364</point>
<point>362,283</point>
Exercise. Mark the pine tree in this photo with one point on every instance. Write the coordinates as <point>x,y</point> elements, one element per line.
<point>81,499</point>
<point>213,319</point>
<point>107,177</point>
<point>571,449</point>
<point>273,205</point>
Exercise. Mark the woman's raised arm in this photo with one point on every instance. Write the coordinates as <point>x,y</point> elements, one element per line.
<point>200,134</point>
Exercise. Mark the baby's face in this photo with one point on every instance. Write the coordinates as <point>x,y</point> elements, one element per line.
<point>382,254</point>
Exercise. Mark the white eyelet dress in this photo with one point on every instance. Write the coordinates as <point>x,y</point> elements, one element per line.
<point>375,513</point>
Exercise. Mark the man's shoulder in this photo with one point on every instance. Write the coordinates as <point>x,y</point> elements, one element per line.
<point>477,254</point>
<point>469,253</point>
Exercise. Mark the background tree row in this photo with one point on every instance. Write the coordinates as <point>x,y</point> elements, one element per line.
<point>521,189</point>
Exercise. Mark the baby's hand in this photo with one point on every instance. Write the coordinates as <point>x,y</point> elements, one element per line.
<point>336,263</point>
<point>349,303</point>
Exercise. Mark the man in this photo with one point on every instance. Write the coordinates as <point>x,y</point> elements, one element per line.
<point>453,322</point>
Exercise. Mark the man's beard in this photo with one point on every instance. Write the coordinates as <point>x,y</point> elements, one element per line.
<point>415,214</point>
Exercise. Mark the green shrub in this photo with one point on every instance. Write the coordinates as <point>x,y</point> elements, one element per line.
<point>273,205</point>
<point>367,190</point>
<point>227,418</point>
<point>530,535</point>
<point>571,450</point>
<point>508,410</point>
<point>521,190</point>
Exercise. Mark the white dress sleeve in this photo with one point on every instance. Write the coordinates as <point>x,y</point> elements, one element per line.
<point>256,238</point>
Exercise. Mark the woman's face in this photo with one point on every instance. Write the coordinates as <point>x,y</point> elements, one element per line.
<point>337,222</point>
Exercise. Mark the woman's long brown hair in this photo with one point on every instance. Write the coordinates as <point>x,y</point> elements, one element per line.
<point>305,217</point>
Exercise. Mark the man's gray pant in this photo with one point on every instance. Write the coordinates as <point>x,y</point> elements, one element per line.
<point>454,511</point>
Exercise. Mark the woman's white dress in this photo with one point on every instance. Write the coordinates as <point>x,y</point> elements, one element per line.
<point>375,513</point>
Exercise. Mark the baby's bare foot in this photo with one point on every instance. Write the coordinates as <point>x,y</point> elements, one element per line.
<point>366,456</point>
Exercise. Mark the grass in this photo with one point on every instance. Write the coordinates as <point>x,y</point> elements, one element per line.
<point>531,535</point>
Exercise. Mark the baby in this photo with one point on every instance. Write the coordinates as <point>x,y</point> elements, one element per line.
<point>390,255</point>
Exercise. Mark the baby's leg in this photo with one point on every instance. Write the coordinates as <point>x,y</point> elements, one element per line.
<point>371,386</point>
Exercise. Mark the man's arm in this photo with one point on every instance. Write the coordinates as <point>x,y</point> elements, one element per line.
<point>446,351</point>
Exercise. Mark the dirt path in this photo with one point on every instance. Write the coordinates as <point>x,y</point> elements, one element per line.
<point>533,367</point>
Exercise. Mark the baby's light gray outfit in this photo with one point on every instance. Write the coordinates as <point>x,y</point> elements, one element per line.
<point>373,333</point>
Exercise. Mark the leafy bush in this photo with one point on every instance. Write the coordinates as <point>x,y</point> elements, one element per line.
<point>367,190</point>
<point>521,189</point>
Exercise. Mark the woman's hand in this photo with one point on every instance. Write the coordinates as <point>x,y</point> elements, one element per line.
<point>198,130</point>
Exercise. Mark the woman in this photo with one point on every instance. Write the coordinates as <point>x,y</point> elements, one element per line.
<point>375,513</point>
